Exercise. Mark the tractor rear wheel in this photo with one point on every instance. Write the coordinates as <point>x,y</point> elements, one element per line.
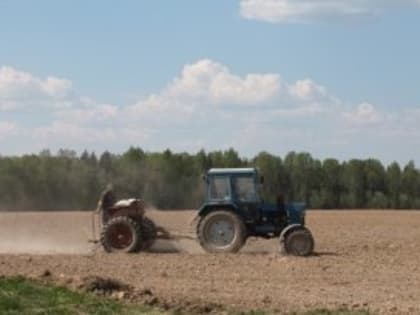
<point>299,242</point>
<point>148,233</point>
<point>121,234</point>
<point>221,232</point>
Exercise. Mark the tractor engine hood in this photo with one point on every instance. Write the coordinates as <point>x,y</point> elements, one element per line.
<point>296,212</point>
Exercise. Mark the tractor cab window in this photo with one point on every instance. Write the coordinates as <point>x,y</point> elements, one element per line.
<point>245,190</point>
<point>219,188</point>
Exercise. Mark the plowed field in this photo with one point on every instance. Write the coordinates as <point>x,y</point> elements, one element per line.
<point>364,260</point>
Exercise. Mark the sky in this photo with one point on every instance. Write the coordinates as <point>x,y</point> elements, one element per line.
<point>333,78</point>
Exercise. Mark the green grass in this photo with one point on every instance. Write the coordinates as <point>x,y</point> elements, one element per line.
<point>27,297</point>
<point>21,296</point>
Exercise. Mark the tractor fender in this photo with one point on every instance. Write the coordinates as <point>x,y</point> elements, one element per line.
<point>133,210</point>
<point>289,229</point>
<point>208,207</point>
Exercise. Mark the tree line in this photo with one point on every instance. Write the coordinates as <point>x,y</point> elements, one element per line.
<point>168,180</point>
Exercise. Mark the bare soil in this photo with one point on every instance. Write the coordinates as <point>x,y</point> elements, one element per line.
<point>364,260</point>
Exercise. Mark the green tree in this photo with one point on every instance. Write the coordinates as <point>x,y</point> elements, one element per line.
<point>331,185</point>
<point>304,175</point>
<point>353,179</point>
<point>275,177</point>
<point>410,186</point>
<point>393,179</point>
<point>167,179</point>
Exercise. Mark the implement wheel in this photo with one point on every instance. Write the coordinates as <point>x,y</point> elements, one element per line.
<point>221,232</point>
<point>299,242</point>
<point>121,234</point>
<point>148,233</point>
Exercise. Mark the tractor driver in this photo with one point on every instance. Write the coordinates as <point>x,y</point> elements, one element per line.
<point>107,201</point>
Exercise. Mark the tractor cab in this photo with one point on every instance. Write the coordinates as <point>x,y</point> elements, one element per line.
<point>236,187</point>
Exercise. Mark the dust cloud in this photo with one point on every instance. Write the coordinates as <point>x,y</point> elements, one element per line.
<point>71,232</point>
<point>45,233</point>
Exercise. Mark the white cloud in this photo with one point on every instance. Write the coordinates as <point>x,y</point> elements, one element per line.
<point>20,89</point>
<point>211,82</point>
<point>364,113</point>
<point>205,88</point>
<point>88,113</point>
<point>309,110</point>
<point>208,82</point>
<point>203,91</point>
<point>56,87</point>
<point>308,90</point>
<point>207,105</point>
<point>209,88</point>
<point>281,11</point>
<point>7,129</point>
<point>69,133</point>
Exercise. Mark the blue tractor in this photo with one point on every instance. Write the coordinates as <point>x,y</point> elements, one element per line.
<point>234,210</point>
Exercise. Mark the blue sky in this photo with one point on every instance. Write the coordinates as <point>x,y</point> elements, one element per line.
<point>334,78</point>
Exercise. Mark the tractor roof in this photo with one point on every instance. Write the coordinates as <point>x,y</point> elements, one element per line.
<point>215,171</point>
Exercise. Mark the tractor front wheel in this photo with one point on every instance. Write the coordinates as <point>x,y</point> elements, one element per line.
<point>221,232</point>
<point>299,242</point>
<point>121,234</point>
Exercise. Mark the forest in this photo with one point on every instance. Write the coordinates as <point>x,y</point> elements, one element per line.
<point>66,180</point>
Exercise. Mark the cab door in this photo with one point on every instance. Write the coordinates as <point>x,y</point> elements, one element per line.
<point>219,189</point>
<point>245,194</point>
